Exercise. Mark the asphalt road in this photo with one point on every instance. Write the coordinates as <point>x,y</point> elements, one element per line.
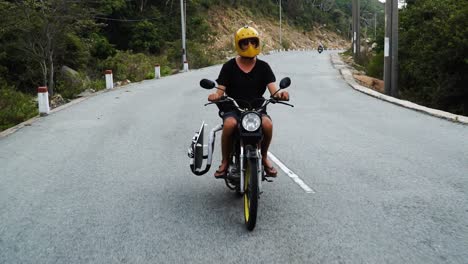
<point>107,180</point>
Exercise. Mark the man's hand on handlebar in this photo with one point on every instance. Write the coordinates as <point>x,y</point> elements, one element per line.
<point>214,97</point>
<point>282,95</point>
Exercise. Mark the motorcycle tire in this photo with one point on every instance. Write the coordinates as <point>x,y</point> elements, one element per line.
<point>251,193</point>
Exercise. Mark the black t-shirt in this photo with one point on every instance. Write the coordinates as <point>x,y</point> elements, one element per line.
<point>246,86</point>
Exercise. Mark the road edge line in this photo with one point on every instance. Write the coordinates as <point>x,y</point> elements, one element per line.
<point>291,174</point>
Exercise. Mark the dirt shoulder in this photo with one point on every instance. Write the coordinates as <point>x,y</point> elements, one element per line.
<point>361,77</point>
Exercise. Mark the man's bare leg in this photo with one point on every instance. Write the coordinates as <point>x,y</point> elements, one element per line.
<point>229,127</point>
<point>267,126</point>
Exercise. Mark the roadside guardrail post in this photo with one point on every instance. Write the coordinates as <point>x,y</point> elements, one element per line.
<point>109,79</point>
<point>157,71</point>
<point>43,100</point>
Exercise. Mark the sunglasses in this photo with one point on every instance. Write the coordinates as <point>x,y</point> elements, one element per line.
<point>246,42</point>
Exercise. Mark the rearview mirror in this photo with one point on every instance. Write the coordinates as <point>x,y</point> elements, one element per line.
<point>285,82</point>
<point>207,84</point>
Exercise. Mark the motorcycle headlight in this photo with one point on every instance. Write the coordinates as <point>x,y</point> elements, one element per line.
<point>251,122</point>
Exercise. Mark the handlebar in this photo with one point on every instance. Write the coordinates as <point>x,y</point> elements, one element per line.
<point>272,100</point>
<point>276,101</point>
<point>224,99</point>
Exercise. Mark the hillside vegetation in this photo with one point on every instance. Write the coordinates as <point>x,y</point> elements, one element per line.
<point>432,54</point>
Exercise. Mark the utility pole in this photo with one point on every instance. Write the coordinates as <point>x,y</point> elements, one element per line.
<point>375,18</point>
<point>391,48</point>
<point>395,92</point>
<point>387,58</point>
<point>356,31</point>
<point>182,20</point>
<point>281,41</point>
<point>375,25</point>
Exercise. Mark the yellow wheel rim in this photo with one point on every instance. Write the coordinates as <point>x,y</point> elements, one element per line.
<point>246,197</point>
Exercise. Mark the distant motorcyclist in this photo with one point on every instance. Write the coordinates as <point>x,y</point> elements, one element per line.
<point>245,78</point>
<point>320,48</point>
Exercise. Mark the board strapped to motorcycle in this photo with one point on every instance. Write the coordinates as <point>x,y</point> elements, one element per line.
<point>196,151</point>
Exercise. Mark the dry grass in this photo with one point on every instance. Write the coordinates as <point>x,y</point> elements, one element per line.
<point>370,82</point>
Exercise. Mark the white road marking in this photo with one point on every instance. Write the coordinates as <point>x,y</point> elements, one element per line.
<point>291,174</point>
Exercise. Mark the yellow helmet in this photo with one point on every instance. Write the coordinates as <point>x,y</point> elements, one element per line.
<point>250,36</point>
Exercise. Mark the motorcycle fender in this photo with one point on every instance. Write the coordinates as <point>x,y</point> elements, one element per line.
<point>251,152</point>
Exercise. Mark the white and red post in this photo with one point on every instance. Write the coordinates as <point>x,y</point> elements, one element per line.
<point>109,79</point>
<point>43,100</point>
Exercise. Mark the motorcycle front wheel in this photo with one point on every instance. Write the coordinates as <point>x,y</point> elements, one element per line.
<point>251,193</point>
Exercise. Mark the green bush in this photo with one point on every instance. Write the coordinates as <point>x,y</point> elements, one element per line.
<point>198,56</point>
<point>166,70</point>
<point>101,48</point>
<point>126,65</point>
<point>433,52</point>
<point>174,56</point>
<point>98,84</point>
<point>15,107</point>
<point>150,75</point>
<point>76,54</point>
<point>135,66</point>
<point>376,65</point>
<point>145,37</point>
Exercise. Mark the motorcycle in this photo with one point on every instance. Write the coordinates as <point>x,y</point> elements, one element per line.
<point>320,49</point>
<point>245,173</point>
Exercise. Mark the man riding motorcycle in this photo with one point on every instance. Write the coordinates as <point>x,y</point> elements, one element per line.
<point>245,78</point>
<point>320,48</point>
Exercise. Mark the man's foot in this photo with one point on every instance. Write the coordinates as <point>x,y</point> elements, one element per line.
<point>221,173</point>
<point>270,171</point>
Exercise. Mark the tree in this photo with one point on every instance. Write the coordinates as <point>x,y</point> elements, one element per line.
<point>433,54</point>
<point>145,37</point>
<point>43,30</point>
